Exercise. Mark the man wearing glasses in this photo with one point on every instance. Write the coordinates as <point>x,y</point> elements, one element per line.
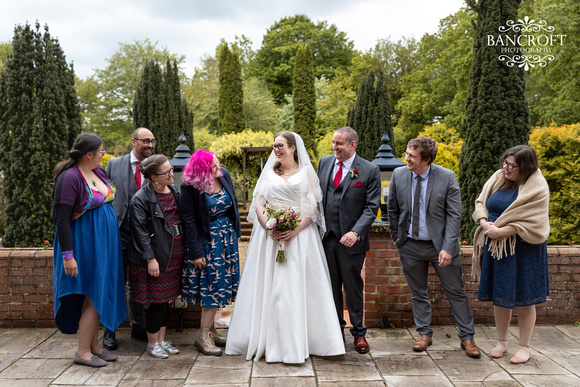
<point>124,173</point>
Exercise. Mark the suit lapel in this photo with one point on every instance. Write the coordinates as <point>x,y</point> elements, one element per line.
<point>432,179</point>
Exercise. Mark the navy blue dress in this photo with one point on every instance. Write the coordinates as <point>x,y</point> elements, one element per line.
<point>515,280</point>
<point>216,285</point>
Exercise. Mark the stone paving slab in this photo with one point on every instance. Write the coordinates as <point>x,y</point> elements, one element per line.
<point>263,369</point>
<point>43,357</point>
<point>350,367</point>
<point>407,365</point>
<point>204,375</point>
<point>458,367</point>
<point>21,341</point>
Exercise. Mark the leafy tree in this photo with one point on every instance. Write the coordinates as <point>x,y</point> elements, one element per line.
<point>228,148</point>
<point>202,95</point>
<point>260,110</point>
<point>333,100</point>
<point>5,50</point>
<point>371,115</point>
<point>231,96</point>
<point>558,149</point>
<point>160,107</point>
<point>117,83</point>
<point>304,99</point>
<point>274,63</point>
<point>395,59</point>
<point>496,114</point>
<point>449,143</point>
<point>437,89</point>
<point>553,91</point>
<point>40,120</point>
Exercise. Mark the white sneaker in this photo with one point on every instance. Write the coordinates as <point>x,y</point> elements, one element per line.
<point>170,349</point>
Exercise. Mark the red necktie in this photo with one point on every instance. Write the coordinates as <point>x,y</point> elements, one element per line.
<point>338,176</point>
<point>137,175</point>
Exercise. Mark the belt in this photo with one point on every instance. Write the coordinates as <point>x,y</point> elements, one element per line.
<point>176,229</point>
<point>420,240</point>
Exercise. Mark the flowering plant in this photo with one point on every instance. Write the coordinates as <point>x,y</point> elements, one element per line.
<point>353,173</point>
<point>283,219</point>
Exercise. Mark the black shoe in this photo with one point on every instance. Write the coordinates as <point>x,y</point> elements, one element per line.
<point>109,341</point>
<point>139,334</point>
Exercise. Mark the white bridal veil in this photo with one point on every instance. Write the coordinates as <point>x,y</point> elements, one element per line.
<point>310,192</point>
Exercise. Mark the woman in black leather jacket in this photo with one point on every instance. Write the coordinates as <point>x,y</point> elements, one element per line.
<point>156,250</point>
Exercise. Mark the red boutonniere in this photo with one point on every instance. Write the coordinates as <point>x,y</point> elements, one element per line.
<point>353,173</point>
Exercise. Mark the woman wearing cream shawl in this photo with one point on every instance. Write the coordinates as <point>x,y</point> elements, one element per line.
<point>510,252</point>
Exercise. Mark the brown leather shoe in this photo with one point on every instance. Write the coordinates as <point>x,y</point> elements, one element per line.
<point>422,342</point>
<point>470,348</point>
<point>361,345</point>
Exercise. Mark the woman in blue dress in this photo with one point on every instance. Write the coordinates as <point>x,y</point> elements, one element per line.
<point>88,281</point>
<point>510,246</point>
<point>211,273</point>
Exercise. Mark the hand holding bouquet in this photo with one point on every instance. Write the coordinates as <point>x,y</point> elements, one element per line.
<point>283,219</point>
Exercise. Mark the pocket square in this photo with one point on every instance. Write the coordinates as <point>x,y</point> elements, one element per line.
<point>358,184</point>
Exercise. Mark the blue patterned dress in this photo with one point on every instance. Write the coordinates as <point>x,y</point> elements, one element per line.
<point>216,285</point>
<point>515,280</point>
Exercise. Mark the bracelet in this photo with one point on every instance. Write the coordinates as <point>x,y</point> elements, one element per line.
<point>66,255</point>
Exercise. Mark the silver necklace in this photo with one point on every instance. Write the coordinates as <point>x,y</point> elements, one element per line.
<point>287,172</point>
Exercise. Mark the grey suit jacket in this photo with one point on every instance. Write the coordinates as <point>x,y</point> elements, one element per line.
<point>442,206</point>
<point>360,199</point>
<point>121,174</point>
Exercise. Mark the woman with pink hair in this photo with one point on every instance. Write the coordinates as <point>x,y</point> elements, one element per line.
<point>209,211</point>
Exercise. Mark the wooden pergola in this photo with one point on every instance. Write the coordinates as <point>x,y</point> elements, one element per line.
<point>246,150</point>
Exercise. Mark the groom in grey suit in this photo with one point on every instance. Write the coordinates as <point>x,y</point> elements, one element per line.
<point>351,197</point>
<point>424,218</point>
<point>123,172</point>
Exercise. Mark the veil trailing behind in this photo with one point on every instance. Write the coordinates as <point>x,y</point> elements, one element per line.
<point>285,311</point>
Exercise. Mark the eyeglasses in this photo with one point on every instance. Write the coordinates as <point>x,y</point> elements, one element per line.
<point>102,152</point>
<point>166,173</point>
<point>278,147</point>
<point>509,165</point>
<point>147,141</point>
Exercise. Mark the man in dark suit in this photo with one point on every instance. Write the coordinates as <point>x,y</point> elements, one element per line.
<point>125,175</point>
<point>424,218</point>
<point>351,197</point>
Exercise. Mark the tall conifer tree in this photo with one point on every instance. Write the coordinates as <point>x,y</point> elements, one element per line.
<point>496,114</point>
<point>304,97</point>
<point>160,107</point>
<point>231,117</point>
<point>40,118</point>
<point>371,115</point>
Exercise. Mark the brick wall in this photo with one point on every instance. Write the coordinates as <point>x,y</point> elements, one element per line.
<point>26,289</point>
<point>388,298</point>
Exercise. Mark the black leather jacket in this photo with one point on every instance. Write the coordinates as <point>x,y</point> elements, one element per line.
<point>151,236</point>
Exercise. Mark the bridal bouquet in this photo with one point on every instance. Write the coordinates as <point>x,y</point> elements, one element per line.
<point>283,219</point>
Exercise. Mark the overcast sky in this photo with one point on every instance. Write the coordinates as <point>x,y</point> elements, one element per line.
<point>90,31</point>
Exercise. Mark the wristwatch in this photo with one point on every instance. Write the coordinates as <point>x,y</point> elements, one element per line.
<point>354,232</point>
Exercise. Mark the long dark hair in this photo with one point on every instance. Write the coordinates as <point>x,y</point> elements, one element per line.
<point>83,144</point>
<point>291,142</point>
<point>527,162</point>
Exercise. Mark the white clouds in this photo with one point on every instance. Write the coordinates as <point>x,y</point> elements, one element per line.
<point>90,31</point>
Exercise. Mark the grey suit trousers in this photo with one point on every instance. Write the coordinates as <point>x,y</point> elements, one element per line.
<point>415,257</point>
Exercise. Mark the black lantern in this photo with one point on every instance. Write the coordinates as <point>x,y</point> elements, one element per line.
<point>180,160</point>
<point>387,163</point>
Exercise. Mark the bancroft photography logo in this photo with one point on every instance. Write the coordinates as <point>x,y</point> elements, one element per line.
<point>533,46</point>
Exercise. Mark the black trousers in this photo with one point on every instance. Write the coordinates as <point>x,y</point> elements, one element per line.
<point>345,270</point>
<point>156,317</point>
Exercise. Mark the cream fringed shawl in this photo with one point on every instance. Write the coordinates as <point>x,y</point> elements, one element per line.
<point>528,214</point>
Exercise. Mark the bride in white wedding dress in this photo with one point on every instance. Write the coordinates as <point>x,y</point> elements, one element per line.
<point>285,311</point>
